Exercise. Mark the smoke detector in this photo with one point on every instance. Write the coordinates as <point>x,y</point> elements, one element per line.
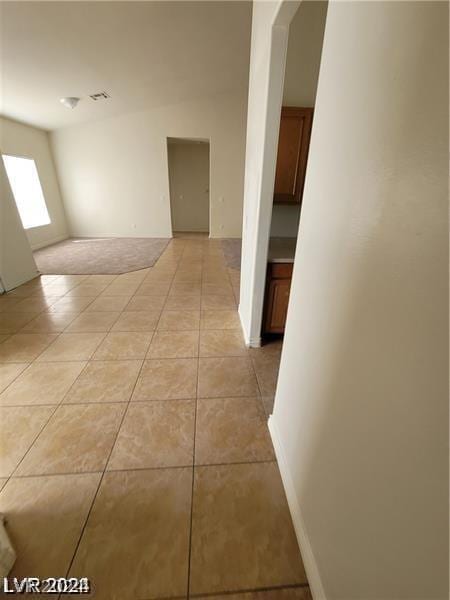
<point>99,96</point>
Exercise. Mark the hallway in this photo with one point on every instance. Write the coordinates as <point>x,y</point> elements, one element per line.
<point>135,449</point>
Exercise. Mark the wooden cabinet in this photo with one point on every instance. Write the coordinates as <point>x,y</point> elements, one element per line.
<point>278,285</point>
<point>293,146</point>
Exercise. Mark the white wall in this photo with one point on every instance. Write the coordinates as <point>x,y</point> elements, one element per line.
<point>267,63</point>
<point>114,174</point>
<point>22,140</point>
<point>361,410</point>
<point>16,259</point>
<point>189,185</point>
<point>300,85</point>
<point>303,54</point>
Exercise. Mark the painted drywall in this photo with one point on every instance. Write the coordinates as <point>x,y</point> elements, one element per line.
<point>114,173</point>
<point>300,85</point>
<point>189,185</point>
<point>361,410</point>
<point>270,28</point>
<point>16,259</point>
<point>22,140</point>
<point>303,54</point>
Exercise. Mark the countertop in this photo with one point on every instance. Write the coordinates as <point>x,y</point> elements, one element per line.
<point>281,250</point>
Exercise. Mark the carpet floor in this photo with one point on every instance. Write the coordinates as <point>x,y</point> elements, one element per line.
<point>86,256</point>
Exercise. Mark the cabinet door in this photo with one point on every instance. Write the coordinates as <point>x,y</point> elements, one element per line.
<point>277,305</point>
<point>293,146</point>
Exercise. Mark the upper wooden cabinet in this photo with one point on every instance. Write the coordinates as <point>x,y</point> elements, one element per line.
<point>293,146</point>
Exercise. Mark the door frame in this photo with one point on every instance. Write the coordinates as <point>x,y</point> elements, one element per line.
<point>192,140</point>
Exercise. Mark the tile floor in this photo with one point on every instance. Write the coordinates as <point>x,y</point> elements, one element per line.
<point>134,445</point>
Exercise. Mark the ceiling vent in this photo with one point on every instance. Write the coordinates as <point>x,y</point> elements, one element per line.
<point>99,96</point>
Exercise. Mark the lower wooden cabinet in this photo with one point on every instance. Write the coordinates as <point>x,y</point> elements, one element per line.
<point>278,286</point>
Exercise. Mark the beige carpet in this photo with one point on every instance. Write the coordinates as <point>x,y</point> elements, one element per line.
<point>87,256</point>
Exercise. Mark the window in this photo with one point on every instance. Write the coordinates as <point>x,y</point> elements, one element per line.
<point>26,188</point>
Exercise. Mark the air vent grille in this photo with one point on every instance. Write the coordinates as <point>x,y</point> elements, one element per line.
<point>99,96</point>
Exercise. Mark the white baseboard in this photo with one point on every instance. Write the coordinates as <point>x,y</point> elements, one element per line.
<point>309,561</point>
<point>55,240</point>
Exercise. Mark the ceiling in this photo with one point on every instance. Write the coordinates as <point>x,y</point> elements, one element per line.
<point>143,54</point>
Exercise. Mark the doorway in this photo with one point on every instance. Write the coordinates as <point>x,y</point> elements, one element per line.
<point>188,162</point>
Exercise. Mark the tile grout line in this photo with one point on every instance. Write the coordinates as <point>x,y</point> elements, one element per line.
<point>188,590</point>
<point>162,468</point>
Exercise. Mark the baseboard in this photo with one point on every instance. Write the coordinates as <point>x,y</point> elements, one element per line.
<point>312,572</point>
<point>55,240</point>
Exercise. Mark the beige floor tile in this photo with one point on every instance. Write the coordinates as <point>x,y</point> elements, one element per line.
<point>220,319</point>
<point>137,321</point>
<point>72,346</point>
<point>87,289</point>
<point>223,342</point>
<point>136,542</point>
<point>231,430</point>
<point>159,273</point>
<point>42,383</point>
<point>179,319</point>
<point>214,302</point>
<point>291,593</point>
<point>69,281</point>
<point>222,377</point>
<point>214,274</point>
<point>50,322</point>
<point>3,481</point>
<point>120,289</point>
<point>10,322</point>
<point>155,434</point>
<point>185,289</point>
<point>266,362</point>
<point>106,279</point>
<point>35,305</point>
<point>4,336</point>
<point>23,291</point>
<point>51,291</point>
<point>268,404</point>
<point>45,518</point>
<point>188,276</point>
<point>77,438</point>
<point>242,534</point>
<point>145,303</point>
<point>93,322</point>
<point>9,372</point>
<point>156,288</point>
<point>174,344</point>
<point>71,304</point>
<point>132,276</point>
<point>217,289</point>
<point>25,347</point>
<point>20,426</point>
<point>7,302</point>
<point>167,379</point>
<point>124,345</point>
<point>110,381</point>
<point>109,303</point>
<point>182,303</point>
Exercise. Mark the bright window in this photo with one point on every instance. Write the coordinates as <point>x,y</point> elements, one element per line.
<point>26,187</point>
